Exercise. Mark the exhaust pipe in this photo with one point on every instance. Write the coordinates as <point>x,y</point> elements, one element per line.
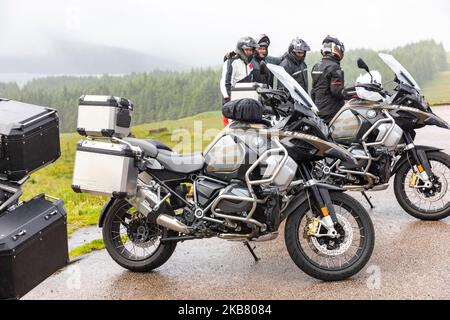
<point>172,223</point>
<point>234,236</point>
<point>365,187</point>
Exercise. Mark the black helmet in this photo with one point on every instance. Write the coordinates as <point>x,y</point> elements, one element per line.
<point>263,40</point>
<point>332,46</point>
<point>246,43</point>
<point>298,45</point>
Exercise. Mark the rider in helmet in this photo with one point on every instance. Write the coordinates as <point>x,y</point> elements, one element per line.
<point>328,79</point>
<point>238,67</point>
<point>294,62</point>
<point>261,57</point>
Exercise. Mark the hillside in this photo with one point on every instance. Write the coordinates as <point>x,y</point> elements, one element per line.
<point>437,91</point>
<point>172,95</point>
<point>67,56</point>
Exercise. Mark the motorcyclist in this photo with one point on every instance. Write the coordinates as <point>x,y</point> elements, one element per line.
<point>328,79</point>
<point>237,67</point>
<point>294,62</point>
<point>262,56</point>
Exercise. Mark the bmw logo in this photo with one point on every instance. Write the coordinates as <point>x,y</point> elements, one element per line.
<point>258,141</point>
<point>371,114</point>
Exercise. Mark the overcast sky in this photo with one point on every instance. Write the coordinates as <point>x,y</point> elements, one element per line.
<point>198,32</point>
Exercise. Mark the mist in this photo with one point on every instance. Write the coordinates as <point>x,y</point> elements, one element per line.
<point>198,33</point>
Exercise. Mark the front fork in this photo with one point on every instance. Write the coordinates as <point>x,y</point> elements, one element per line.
<point>322,197</point>
<point>420,158</point>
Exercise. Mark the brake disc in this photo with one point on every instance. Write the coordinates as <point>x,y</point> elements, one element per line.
<point>335,246</point>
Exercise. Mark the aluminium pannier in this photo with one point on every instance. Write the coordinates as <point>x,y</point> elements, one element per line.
<point>33,245</point>
<point>246,90</point>
<point>104,116</point>
<point>29,138</point>
<point>105,168</point>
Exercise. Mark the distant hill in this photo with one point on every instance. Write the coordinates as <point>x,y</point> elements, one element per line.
<point>437,91</point>
<point>162,95</point>
<point>76,57</point>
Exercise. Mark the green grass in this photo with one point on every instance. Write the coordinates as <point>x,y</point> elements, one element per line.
<point>437,91</point>
<point>83,209</point>
<point>87,248</point>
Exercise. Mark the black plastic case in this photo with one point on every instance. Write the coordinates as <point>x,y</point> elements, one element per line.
<point>33,245</point>
<point>29,136</point>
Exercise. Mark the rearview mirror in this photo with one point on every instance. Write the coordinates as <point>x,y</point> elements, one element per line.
<point>363,65</point>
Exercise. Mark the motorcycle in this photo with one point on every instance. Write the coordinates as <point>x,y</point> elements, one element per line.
<point>378,127</point>
<point>249,179</point>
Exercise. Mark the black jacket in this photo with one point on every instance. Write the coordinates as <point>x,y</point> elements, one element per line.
<point>264,78</point>
<point>328,86</point>
<point>298,70</point>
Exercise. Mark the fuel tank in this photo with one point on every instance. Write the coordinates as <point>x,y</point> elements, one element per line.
<point>232,154</point>
<point>353,120</point>
<point>234,150</point>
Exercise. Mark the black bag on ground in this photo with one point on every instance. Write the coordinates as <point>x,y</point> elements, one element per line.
<point>29,137</point>
<point>246,110</point>
<point>33,245</point>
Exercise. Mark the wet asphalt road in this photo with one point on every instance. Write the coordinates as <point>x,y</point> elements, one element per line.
<point>411,260</point>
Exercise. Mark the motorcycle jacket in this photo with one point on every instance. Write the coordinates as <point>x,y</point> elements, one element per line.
<point>328,86</point>
<point>297,68</point>
<point>235,70</point>
<point>261,78</point>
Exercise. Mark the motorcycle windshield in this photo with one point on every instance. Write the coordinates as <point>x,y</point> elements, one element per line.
<point>294,88</point>
<point>400,71</point>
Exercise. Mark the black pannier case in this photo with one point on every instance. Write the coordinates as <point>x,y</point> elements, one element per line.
<point>245,110</point>
<point>29,137</point>
<point>33,245</point>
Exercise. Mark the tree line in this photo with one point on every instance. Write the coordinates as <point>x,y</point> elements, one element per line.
<point>161,95</point>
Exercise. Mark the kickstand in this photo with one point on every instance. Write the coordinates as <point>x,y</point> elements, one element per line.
<point>251,250</point>
<point>368,199</point>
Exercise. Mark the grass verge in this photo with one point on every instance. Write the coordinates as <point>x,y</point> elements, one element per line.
<point>97,244</point>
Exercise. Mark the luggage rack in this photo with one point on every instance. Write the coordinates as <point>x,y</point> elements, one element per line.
<point>137,150</point>
<point>15,192</point>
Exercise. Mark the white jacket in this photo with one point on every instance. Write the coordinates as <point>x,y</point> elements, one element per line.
<point>234,70</point>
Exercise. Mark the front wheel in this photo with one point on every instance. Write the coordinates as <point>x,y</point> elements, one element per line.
<point>420,202</point>
<point>326,258</point>
<point>134,242</point>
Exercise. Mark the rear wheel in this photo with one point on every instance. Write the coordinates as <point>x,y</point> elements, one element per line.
<point>420,202</point>
<point>326,258</point>
<point>132,241</point>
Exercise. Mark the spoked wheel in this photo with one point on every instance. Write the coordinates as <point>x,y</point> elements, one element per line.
<point>327,258</point>
<point>132,241</point>
<point>425,203</point>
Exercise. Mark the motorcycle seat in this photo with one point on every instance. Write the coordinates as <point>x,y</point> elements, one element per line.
<point>159,144</point>
<point>147,147</point>
<point>169,159</point>
<point>183,163</point>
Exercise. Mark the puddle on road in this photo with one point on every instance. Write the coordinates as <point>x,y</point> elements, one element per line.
<point>84,235</point>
